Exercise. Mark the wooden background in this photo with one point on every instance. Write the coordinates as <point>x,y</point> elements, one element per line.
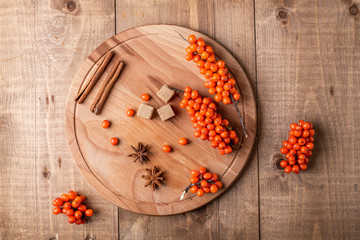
<point>303,59</point>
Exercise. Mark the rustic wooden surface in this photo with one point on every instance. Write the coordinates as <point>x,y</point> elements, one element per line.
<point>153,56</point>
<point>303,64</point>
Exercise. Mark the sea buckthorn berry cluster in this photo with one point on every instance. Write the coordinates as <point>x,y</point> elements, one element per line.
<point>208,124</point>
<point>298,148</point>
<point>219,81</point>
<point>72,205</point>
<point>203,182</point>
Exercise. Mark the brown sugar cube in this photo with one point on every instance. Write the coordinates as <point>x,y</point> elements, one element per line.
<point>145,111</point>
<point>165,93</point>
<point>165,112</point>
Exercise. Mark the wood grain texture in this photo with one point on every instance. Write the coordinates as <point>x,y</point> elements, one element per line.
<point>154,56</point>
<point>40,52</point>
<point>231,24</point>
<point>308,56</point>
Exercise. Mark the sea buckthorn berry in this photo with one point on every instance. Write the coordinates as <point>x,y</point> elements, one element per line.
<point>209,49</point>
<point>183,141</point>
<point>194,189</point>
<point>204,55</point>
<point>201,42</point>
<point>202,170</point>
<point>206,189</point>
<point>226,100</point>
<point>236,96</point>
<point>222,71</point>
<point>295,169</point>
<point>297,133</point>
<point>78,214</point>
<point>287,169</point>
<point>166,148</point>
<point>284,150</point>
<point>220,64</point>
<point>200,50</point>
<point>292,152</point>
<point>301,122</point>
<point>304,149</point>
<point>114,141</point>
<point>213,188</point>
<point>196,58</point>
<point>194,179</point>
<point>219,184</point>
<point>105,124</point>
<point>303,167</point>
<point>67,205</point>
<point>200,192</point>
<point>145,97</point>
<point>194,173</point>
<point>194,94</point>
<point>306,125</point>
<point>193,47</point>
<point>57,210</point>
<point>69,212</point>
<point>197,134</point>
<point>72,195</point>
<point>214,177</point>
<point>293,126</point>
<point>207,65</point>
<point>82,208</point>
<point>312,132</point>
<point>292,139</point>
<point>227,141</point>
<point>305,133</point>
<point>130,112</point>
<point>211,58</point>
<point>218,97</point>
<point>310,145</point>
<point>188,57</point>
<point>89,212</point>
<point>192,39</point>
<point>63,211</point>
<point>227,149</point>
<point>301,141</point>
<point>188,50</point>
<point>283,163</point>
<point>204,183</point>
<point>300,161</point>
<point>200,64</point>
<point>207,176</point>
<point>203,71</point>
<point>58,202</point>
<point>72,219</point>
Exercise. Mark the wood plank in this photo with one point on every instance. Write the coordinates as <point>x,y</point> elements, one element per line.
<point>218,217</point>
<point>43,48</point>
<point>308,68</point>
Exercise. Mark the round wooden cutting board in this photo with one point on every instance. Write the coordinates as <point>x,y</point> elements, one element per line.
<point>153,56</point>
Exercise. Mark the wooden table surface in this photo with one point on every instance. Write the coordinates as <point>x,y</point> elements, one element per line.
<point>303,60</point>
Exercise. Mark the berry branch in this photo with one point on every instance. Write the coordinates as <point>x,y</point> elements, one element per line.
<point>219,79</point>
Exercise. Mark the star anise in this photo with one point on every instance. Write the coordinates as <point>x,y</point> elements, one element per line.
<point>153,178</point>
<point>141,153</point>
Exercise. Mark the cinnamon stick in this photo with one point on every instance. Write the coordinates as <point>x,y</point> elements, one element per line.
<point>94,78</point>
<point>103,86</point>
<point>98,107</point>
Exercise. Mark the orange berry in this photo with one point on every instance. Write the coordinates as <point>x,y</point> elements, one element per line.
<point>204,183</point>
<point>69,212</point>
<point>196,58</point>
<point>89,212</point>
<point>211,58</point>
<point>209,49</point>
<point>194,173</point>
<point>65,197</point>
<point>218,97</point>
<point>220,64</point>
<point>204,55</point>
<point>57,202</point>
<point>82,208</point>
<point>200,50</point>
<point>67,205</point>
<point>78,214</point>
<point>105,124</point>
<point>114,141</point>
<point>200,192</point>
<point>219,184</point>
<point>202,170</point>
<point>200,42</point>
<point>166,148</point>
<point>193,47</point>
<point>183,141</point>
<point>188,57</point>
<point>145,97</point>
<point>236,96</point>
<point>72,219</point>
<point>206,189</point>
<point>207,176</point>
<point>214,177</point>
<point>194,189</point>
<point>57,210</point>
<point>213,188</point>
<point>194,179</point>
<point>130,112</point>
<point>192,39</point>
